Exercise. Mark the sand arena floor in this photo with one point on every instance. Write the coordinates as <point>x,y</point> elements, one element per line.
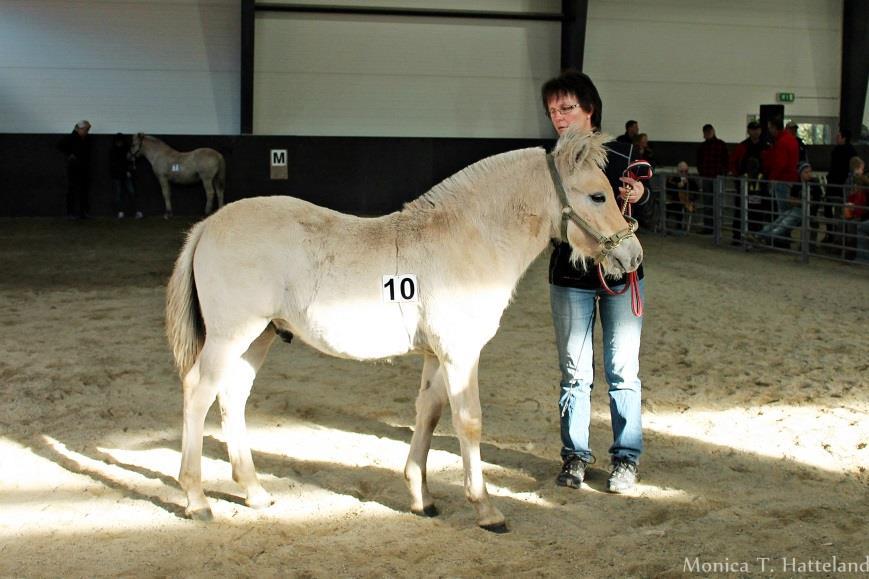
<point>756,394</point>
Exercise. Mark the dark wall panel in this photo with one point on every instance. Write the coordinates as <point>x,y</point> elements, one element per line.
<point>363,176</point>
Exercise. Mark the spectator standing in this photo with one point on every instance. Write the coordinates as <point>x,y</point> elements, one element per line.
<point>794,129</point>
<point>632,127</point>
<point>837,176</point>
<point>781,162</point>
<point>77,148</point>
<point>748,153</point>
<point>759,205</point>
<point>752,147</point>
<point>712,161</point>
<point>122,167</point>
<point>642,150</point>
<point>840,158</point>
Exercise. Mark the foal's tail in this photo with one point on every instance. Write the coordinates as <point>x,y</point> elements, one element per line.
<point>185,327</point>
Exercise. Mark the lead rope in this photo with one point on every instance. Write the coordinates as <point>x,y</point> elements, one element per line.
<point>632,280</point>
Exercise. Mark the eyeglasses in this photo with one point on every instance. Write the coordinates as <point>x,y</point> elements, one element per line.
<point>563,111</point>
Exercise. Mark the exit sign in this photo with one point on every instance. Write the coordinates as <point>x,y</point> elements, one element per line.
<point>785,97</point>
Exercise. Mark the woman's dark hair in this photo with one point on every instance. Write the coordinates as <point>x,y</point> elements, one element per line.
<point>573,82</point>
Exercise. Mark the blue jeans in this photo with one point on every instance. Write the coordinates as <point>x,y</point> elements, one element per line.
<point>574,312</point>
<point>784,224</point>
<point>781,193</point>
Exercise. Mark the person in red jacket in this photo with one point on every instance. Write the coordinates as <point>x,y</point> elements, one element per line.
<point>781,163</point>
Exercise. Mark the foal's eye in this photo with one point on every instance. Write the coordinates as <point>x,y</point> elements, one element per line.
<point>598,197</point>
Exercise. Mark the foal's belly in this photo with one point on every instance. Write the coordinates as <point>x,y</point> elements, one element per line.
<point>360,331</point>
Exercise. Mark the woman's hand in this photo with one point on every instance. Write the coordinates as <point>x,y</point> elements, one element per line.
<point>632,191</point>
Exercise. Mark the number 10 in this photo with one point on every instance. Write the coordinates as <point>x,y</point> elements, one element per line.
<point>405,284</point>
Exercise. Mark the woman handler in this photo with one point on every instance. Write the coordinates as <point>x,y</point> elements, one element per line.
<point>577,297</point>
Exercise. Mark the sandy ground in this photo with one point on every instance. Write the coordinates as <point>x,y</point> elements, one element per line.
<point>755,374</point>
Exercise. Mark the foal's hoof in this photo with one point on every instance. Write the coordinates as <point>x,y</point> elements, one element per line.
<point>261,502</point>
<point>204,515</point>
<point>429,511</point>
<point>497,528</point>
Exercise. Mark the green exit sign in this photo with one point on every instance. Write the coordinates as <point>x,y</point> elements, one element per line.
<point>785,97</point>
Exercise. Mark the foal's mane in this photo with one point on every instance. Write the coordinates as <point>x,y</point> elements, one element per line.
<point>576,150</point>
<point>462,188</point>
<point>581,150</point>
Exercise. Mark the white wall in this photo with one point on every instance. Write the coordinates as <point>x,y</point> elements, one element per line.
<point>173,66</point>
<point>159,66</point>
<point>403,76</point>
<point>674,65</point>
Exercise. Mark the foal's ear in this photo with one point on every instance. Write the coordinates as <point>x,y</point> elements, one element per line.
<point>578,149</point>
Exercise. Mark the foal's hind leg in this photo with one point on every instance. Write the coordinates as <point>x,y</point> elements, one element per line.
<point>219,189</point>
<point>209,194</point>
<point>429,404</point>
<point>232,397</point>
<point>201,384</point>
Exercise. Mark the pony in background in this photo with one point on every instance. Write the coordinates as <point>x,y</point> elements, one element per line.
<point>171,166</point>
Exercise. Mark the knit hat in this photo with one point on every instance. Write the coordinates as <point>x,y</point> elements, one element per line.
<point>83,125</point>
<point>803,166</point>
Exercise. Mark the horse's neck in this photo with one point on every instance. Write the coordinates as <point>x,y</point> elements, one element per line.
<point>153,148</point>
<point>503,201</point>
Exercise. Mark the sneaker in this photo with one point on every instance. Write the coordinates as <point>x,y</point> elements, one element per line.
<point>120,214</point>
<point>623,477</point>
<point>572,472</point>
<point>139,215</point>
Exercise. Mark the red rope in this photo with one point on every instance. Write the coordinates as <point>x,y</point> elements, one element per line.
<point>631,282</point>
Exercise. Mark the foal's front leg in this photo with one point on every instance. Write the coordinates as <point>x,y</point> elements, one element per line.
<point>464,395</point>
<point>167,196</point>
<point>429,405</point>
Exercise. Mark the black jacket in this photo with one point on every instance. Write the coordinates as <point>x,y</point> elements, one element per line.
<point>119,161</point>
<point>840,160</point>
<point>561,272</point>
<point>77,150</point>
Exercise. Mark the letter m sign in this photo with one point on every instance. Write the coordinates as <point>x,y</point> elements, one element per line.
<point>278,165</point>
<point>279,157</point>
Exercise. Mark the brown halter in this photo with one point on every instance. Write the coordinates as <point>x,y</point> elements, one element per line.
<point>607,244</point>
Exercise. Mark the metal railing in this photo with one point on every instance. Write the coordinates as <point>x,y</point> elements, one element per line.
<point>747,213</point>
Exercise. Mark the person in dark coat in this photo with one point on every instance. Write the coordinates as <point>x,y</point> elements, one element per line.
<point>747,158</point>
<point>837,176</point>
<point>712,161</point>
<point>77,148</point>
<point>122,167</point>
